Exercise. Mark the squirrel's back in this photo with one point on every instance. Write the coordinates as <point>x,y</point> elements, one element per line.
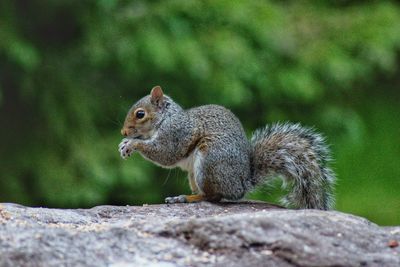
<point>216,120</point>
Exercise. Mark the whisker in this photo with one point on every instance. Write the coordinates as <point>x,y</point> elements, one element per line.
<point>166,179</point>
<point>115,121</point>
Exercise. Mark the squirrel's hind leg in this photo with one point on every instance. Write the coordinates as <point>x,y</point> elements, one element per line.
<point>196,196</point>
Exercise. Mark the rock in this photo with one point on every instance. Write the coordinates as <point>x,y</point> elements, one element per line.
<point>201,234</point>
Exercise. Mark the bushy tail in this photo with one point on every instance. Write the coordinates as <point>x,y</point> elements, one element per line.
<point>298,155</point>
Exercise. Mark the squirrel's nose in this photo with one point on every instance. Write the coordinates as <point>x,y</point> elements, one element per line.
<point>124,132</point>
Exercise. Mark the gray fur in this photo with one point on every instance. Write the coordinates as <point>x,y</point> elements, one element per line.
<point>209,142</point>
<point>299,155</point>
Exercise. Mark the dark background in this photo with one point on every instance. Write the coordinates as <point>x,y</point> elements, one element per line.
<point>69,71</point>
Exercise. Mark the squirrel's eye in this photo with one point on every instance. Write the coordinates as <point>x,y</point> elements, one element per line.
<point>140,114</point>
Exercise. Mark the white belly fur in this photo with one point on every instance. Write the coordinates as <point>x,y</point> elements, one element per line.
<point>187,163</point>
<point>193,164</point>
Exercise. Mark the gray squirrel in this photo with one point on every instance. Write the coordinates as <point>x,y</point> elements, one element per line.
<point>210,144</point>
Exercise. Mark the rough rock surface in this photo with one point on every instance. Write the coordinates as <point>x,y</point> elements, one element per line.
<point>202,234</point>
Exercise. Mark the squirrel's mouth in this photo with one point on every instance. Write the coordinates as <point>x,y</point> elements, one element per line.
<point>137,136</point>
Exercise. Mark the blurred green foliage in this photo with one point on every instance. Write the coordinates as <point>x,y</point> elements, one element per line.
<point>69,70</point>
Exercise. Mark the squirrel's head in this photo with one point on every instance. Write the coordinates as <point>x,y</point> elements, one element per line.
<point>143,117</point>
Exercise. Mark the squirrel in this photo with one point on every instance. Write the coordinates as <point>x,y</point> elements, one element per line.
<point>210,143</point>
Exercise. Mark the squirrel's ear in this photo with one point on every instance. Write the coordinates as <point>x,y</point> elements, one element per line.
<point>157,95</point>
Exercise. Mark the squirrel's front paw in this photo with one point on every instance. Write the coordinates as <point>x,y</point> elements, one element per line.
<point>125,148</point>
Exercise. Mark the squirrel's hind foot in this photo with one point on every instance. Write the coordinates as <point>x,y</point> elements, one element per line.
<point>184,199</point>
